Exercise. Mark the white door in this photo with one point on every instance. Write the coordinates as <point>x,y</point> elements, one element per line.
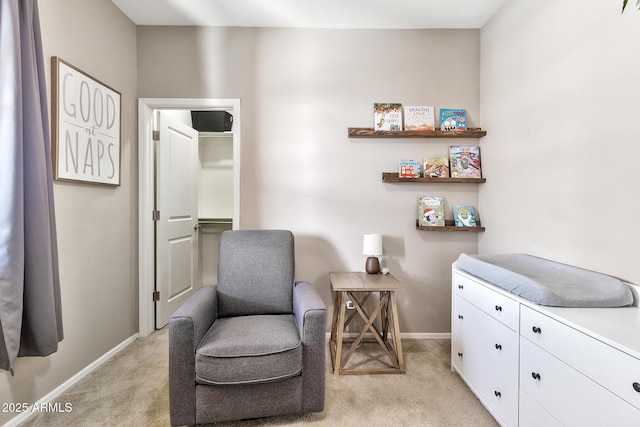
<point>176,220</point>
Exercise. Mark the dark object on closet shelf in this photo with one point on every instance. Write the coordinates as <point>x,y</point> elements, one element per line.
<point>211,121</point>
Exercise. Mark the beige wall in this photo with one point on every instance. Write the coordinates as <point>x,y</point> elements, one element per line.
<point>300,90</point>
<point>97,229</point>
<point>560,98</point>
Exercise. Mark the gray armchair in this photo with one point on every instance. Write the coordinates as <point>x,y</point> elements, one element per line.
<point>254,344</point>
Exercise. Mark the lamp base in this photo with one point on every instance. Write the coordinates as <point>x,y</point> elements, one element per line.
<point>372,266</point>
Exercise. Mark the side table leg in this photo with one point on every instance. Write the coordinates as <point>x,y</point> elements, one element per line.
<point>342,302</point>
<point>384,318</point>
<point>396,331</point>
<point>334,320</point>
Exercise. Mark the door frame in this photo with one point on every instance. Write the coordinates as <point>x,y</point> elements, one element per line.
<point>146,191</point>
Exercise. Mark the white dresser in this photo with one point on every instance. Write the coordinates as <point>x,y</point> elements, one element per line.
<point>532,365</point>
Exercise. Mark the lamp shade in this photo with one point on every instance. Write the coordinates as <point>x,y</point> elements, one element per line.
<point>372,244</point>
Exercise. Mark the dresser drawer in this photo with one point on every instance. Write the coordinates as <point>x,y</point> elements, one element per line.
<point>496,391</point>
<point>533,415</point>
<point>611,368</point>
<point>567,395</point>
<point>457,351</point>
<point>496,305</point>
<point>497,342</point>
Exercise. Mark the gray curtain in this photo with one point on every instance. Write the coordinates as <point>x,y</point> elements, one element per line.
<point>30,307</point>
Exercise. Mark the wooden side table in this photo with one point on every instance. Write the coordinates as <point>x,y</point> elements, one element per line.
<point>358,287</point>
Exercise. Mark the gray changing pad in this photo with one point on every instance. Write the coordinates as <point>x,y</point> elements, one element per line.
<point>546,282</point>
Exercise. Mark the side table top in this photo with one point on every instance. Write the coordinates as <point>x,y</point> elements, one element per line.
<point>361,281</point>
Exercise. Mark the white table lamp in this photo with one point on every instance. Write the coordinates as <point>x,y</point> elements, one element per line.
<point>372,247</point>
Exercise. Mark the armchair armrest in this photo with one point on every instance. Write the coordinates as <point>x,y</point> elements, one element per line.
<point>310,312</point>
<point>187,326</point>
<point>199,311</point>
<point>306,301</point>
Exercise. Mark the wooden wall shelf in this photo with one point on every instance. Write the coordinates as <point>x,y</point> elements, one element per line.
<point>450,226</point>
<point>392,177</point>
<point>370,133</point>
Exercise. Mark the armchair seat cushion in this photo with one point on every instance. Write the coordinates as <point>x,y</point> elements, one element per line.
<point>249,350</point>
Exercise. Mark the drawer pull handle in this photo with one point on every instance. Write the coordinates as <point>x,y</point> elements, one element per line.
<point>636,387</point>
<point>498,346</point>
<point>535,375</point>
<point>460,316</point>
<point>497,393</point>
<point>498,308</point>
<point>459,354</point>
<point>460,287</point>
<point>536,329</point>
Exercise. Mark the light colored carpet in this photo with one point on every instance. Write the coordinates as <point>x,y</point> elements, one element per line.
<point>131,389</point>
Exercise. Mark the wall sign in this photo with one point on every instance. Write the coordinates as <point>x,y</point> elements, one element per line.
<point>85,127</point>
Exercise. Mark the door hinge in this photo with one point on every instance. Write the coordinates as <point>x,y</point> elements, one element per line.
<point>156,296</point>
<point>155,215</point>
<point>155,135</point>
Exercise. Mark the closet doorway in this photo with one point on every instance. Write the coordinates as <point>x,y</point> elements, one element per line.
<point>218,176</point>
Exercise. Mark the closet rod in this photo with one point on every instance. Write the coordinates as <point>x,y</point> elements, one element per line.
<point>205,221</point>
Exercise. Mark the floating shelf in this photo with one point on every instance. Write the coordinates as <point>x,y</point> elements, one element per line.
<point>393,177</point>
<point>450,226</point>
<point>370,133</point>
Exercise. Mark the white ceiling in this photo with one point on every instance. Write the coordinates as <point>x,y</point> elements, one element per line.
<point>312,13</point>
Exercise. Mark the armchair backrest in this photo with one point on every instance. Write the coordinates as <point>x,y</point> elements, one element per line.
<point>255,272</point>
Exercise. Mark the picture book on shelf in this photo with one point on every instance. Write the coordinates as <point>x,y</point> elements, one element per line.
<point>464,216</point>
<point>465,161</point>
<point>430,211</point>
<point>387,116</point>
<point>436,167</point>
<point>419,118</point>
<point>409,169</point>
<point>453,119</point>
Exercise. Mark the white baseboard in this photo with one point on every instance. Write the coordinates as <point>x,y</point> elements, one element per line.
<point>407,335</point>
<point>71,381</point>
<point>427,336</point>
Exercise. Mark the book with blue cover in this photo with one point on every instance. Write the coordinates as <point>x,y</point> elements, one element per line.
<point>464,216</point>
<point>453,119</point>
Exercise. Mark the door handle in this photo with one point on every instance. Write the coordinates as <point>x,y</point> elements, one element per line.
<point>197,226</point>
